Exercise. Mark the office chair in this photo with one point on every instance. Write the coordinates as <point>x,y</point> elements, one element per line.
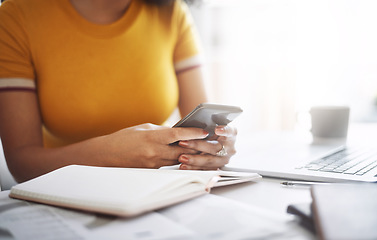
<point>6,178</point>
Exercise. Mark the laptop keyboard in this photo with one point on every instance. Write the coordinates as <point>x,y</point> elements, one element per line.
<point>348,161</point>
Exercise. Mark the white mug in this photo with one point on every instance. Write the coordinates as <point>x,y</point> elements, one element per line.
<point>329,121</point>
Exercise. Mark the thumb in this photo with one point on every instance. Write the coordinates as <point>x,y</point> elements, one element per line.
<point>182,133</point>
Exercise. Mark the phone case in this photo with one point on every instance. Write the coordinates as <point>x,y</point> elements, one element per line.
<point>207,116</point>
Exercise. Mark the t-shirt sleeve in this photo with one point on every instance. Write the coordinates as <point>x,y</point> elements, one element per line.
<point>16,67</point>
<point>187,49</point>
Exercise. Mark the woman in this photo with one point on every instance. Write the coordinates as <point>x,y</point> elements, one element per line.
<point>80,78</point>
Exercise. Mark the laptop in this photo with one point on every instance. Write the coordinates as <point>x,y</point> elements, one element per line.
<point>323,163</point>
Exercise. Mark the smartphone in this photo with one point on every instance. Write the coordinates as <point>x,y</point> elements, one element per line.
<point>207,116</point>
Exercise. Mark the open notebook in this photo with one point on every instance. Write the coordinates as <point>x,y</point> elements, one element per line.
<point>122,191</point>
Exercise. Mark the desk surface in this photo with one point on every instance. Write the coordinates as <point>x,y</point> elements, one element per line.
<point>268,193</point>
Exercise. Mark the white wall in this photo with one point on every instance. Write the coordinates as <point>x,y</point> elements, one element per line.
<point>277,58</point>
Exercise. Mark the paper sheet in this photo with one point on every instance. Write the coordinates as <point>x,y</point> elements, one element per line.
<point>28,221</point>
<point>37,222</point>
<point>214,217</point>
<point>207,217</point>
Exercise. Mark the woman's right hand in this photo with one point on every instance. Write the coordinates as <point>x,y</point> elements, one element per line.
<point>144,145</point>
<point>149,145</point>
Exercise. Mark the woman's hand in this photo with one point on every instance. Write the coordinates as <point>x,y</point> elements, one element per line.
<point>209,157</point>
<point>150,146</point>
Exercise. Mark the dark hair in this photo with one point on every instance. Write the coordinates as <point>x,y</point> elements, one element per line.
<point>166,2</point>
<point>158,2</point>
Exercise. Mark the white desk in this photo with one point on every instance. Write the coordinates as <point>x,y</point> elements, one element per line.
<point>268,193</point>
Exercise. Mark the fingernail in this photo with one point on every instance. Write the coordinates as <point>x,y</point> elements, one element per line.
<point>184,167</point>
<point>184,143</point>
<point>220,129</point>
<point>205,133</point>
<point>183,159</point>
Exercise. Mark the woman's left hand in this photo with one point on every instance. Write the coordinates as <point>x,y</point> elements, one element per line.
<point>214,153</point>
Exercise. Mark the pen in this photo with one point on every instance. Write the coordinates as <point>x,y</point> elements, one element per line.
<point>302,184</point>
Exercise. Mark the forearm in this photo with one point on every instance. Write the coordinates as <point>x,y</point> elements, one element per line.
<point>21,135</point>
<point>31,161</point>
<point>191,90</point>
<point>142,146</point>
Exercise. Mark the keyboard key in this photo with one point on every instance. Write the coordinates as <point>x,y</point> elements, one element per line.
<point>367,169</point>
<point>348,161</point>
<point>326,169</point>
<point>337,170</point>
<point>360,166</point>
<point>315,167</point>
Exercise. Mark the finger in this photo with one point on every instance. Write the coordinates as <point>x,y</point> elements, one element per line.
<point>203,160</point>
<point>172,135</point>
<point>211,147</point>
<point>189,167</point>
<point>161,152</point>
<point>148,126</point>
<point>172,152</point>
<point>168,162</point>
<point>226,131</point>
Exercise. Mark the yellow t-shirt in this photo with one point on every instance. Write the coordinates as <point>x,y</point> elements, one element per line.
<point>95,79</point>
